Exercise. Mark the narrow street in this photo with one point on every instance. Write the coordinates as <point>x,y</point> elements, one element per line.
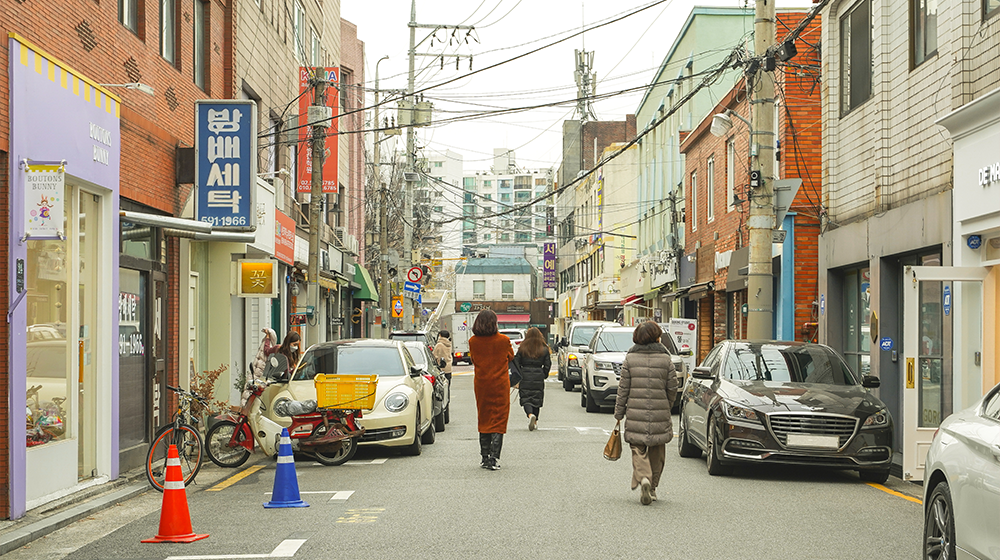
<point>555,496</point>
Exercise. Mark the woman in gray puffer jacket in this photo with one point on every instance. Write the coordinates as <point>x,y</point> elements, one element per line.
<point>646,391</point>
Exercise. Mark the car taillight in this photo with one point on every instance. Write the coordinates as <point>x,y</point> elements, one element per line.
<point>430,378</point>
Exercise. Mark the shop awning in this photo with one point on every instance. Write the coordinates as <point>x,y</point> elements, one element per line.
<point>701,290</point>
<point>632,298</point>
<point>650,295</point>
<point>328,283</point>
<point>671,296</point>
<point>367,290</point>
<point>513,318</point>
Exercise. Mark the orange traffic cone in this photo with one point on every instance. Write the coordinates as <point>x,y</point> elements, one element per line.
<point>175,521</point>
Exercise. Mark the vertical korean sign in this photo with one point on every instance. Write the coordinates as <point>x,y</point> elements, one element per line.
<point>330,161</point>
<point>43,200</point>
<point>226,163</point>
<point>549,264</point>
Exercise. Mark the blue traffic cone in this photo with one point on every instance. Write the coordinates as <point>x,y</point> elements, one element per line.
<point>286,485</point>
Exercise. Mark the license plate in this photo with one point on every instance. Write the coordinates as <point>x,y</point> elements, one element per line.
<point>803,440</point>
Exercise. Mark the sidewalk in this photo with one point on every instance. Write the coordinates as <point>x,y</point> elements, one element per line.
<point>50,517</point>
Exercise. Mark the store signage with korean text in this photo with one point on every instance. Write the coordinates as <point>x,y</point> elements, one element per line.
<point>43,200</point>
<point>226,163</point>
<point>330,165</point>
<point>549,265</point>
<point>257,278</point>
<point>284,238</point>
<point>129,336</point>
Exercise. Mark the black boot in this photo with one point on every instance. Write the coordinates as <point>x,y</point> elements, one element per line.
<point>484,449</point>
<point>496,444</point>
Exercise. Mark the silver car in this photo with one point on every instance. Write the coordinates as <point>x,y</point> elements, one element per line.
<point>442,386</point>
<point>602,368</point>
<point>962,484</point>
<point>569,362</point>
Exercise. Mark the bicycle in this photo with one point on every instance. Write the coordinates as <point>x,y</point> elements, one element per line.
<point>181,433</point>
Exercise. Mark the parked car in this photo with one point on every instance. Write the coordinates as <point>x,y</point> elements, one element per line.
<point>783,402</point>
<point>515,336</point>
<point>569,363</point>
<point>403,412</point>
<point>426,337</point>
<point>962,484</point>
<point>602,368</point>
<point>437,378</point>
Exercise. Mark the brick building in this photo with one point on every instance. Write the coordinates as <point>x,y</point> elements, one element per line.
<point>717,207</point>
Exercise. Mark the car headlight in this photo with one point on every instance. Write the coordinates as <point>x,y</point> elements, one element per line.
<point>572,360</point>
<point>740,413</point>
<point>879,419</point>
<point>396,402</point>
<point>604,365</point>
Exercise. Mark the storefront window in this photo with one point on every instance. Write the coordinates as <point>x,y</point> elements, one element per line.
<point>48,361</point>
<point>857,315</point>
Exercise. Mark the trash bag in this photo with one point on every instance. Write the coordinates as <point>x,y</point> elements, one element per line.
<point>287,407</point>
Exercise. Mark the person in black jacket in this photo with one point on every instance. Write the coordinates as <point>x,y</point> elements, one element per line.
<point>528,371</point>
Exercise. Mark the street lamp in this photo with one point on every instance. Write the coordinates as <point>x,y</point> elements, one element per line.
<point>147,89</point>
<point>722,122</point>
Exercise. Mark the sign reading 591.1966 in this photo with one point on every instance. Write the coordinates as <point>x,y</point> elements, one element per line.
<point>225,162</point>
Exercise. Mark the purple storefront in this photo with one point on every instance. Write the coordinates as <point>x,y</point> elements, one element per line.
<point>65,148</point>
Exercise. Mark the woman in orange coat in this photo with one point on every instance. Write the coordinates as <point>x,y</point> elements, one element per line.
<point>491,354</point>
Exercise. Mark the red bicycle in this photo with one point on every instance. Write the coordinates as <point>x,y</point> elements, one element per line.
<point>329,435</point>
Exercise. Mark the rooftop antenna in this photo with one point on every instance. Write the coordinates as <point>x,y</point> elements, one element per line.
<point>586,80</point>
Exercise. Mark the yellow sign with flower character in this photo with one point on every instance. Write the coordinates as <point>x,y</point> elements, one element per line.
<point>257,278</point>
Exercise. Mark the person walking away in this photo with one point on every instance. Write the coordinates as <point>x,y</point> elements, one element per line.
<point>442,351</point>
<point>491,354</point>
<point>257,366</point>
<point>646,391</point>
<point>529,370</point>
<point>289,349</point>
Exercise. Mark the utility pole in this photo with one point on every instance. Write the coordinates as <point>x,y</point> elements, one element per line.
<point>315,202</point>
<point>383,221</point>
<point>410,175</point>
<point>761,222</point>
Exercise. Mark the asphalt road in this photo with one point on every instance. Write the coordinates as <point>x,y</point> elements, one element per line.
<point>555,497</point>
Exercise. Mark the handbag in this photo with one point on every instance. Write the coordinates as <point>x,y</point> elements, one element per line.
<point>613,449</point>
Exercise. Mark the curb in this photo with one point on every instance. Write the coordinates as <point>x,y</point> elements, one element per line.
<point>20,536</point>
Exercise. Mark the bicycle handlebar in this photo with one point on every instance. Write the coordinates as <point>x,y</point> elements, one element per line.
<point>180,391</point>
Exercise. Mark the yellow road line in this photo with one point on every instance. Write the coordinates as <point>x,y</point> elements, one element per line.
<point>894,493</point>
<point>235,478</point>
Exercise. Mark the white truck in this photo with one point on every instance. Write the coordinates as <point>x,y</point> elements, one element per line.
<point>461,330</point>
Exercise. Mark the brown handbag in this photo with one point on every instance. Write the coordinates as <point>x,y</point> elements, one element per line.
<point>613,449</point>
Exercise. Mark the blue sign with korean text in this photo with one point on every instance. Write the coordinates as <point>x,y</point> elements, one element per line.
<point>411,290</point>
<point>946,300</point>
<point>549,265</point>
<point>885,343</point>
<point>226,163</point>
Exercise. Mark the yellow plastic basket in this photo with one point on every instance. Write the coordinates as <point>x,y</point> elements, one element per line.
<point>345,391</point>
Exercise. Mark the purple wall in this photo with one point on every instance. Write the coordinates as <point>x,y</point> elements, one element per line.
<point>51,120</point>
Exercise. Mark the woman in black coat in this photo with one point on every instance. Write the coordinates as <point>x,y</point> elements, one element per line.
<point>528,371</point>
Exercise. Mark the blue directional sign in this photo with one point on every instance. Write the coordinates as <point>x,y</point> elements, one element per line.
<point>411,290</point>
<point>946,300</point>
<point>885,343</point>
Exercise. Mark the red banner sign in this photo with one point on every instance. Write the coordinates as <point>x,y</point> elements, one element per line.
<point>284,238</point>
<point>330,163</point>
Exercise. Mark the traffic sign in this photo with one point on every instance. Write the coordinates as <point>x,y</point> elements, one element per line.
<point>397,307</point>
<point>411,290</point>
<point>414,274</point>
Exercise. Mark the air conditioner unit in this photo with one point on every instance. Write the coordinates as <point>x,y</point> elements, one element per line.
<point>340,233</point>
<point>351,244</point>
<point>324,259</point>
<point>411,177</point>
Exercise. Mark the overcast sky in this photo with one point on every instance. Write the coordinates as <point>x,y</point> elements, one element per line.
<point>627,54</point>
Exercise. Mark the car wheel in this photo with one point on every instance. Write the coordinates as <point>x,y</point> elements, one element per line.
<point>591,404</point>
<point>685,448</point>
<point>939,525</point>
<point>567,384</point>
<point>415,448</point>
<point>429,434</point>
<point>878,477</point>
<point>439,422</point>
<point>561,376</point>
<point>447,414</point>
<point>583,396</point>
<point>715,468</point>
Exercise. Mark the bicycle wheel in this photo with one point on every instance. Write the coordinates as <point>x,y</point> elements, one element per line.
<point>217,445</point>
<point>189,448</point>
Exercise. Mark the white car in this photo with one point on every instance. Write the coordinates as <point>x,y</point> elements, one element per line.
<point>962,484</point>
<point>403,412</point>
<point>516,336</point>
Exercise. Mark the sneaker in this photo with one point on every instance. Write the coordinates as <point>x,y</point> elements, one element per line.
<point>493,464</point>
<point>652,493</point>
<point>532,422</point>
<point>646,488</point>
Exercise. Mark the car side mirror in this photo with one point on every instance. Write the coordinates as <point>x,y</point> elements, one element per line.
<point>871,382</point>
<point>416,371</point>
<point>702,372</point>
<point>563,343</point>
<point>585,350</point>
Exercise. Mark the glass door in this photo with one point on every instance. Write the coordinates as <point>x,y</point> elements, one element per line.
<point>88,236</point>
<point>943,337</point>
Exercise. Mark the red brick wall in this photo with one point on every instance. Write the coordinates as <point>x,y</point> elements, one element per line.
<point>606,133</point>
<point>352,59</point>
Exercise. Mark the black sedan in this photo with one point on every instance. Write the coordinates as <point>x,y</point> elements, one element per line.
<point>783,402</point>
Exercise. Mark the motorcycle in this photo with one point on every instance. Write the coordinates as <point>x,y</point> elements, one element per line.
<point>328,435</point>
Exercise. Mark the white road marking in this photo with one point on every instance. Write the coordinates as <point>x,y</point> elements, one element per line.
<point>380,461</point>
<point>342,495</point>
<point>285,549</point>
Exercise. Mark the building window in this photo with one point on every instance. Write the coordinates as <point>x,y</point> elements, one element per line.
<point>730,175</point>
<point>857,311</point>
<point>855,57</point>
<point>438,209</point>
<point>487,183</point>
<point>504,197</point>
<point>522,237</point>
<point>924,21</point>
<point>168,30</point>
<point>468,225</point>
<point>199,46</point>
<point>469,198</point>
<point>316,48</point>
<point>486,236</point>
<point>710,190</point>
<point>990,8</point>
<point>479,287</point>
<point>438,164</point>
<point>469,210</point>
<point>694,201</point>
<point>128,15</point>
<point>468,183</point>
<point>504,237</point>
<point>299,23</point>
<point>507,287</point>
